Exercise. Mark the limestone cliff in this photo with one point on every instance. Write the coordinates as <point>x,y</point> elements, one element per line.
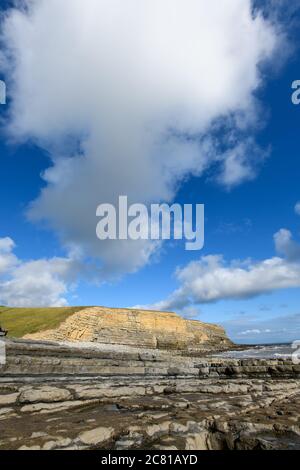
<point>138,328</point>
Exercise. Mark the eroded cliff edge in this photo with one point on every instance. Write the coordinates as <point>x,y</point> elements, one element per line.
<point>138,328</point>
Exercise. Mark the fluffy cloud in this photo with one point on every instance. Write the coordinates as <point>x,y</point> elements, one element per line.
<point>36,283</point>
<point>130,98</point>
<point>210,278</point>
<point>7,258</point>
<point>297,208</point>
<point>285,245</point>
<point>272,330</point>
<point>254,332</point>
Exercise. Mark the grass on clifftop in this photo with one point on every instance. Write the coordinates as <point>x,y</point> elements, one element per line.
<point>22,321</point>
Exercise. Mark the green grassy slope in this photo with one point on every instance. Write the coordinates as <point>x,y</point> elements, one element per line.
<point>22,321</point>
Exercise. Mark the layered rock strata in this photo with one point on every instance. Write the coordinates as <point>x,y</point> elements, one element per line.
<point>70,397</point>
<point>36,358</point>
<point>138,328</point>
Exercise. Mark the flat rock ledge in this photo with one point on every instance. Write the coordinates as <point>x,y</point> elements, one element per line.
<point>68,397</point>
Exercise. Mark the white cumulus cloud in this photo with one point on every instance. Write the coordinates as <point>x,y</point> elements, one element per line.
<point>211,278</point>
<point>254,332</point>
<point>297,208</point>
<point>129,97</point>
<point>285,245</point>
<point>34,283</point>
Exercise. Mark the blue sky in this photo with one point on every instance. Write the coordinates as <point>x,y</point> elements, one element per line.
<point>47,261</point>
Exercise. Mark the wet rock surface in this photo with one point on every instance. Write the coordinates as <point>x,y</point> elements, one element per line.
<point>144,399</point>
<point>256,415</point>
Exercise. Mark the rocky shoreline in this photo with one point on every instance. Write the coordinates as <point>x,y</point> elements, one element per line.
<point>55,396</point>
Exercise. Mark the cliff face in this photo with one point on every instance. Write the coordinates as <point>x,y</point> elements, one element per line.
<point>138,328</point>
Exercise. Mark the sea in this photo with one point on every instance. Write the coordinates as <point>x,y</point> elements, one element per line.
<point>263,351</point>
